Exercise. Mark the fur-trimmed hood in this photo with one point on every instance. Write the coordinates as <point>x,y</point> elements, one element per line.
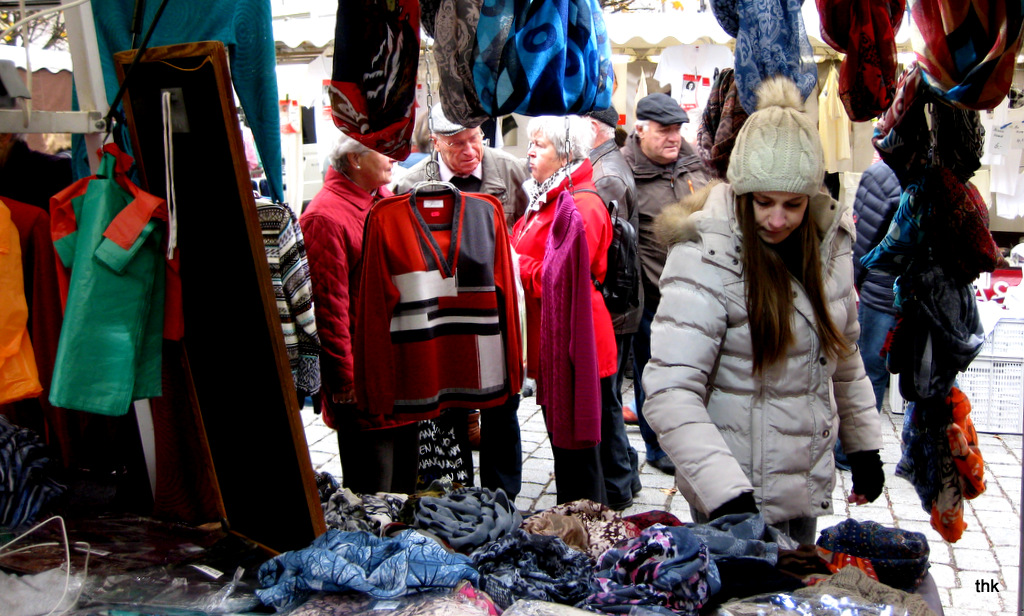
<point>681,222</point>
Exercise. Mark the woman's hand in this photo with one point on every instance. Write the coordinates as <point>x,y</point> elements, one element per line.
<point>346,396</point>
<point>868,478</point>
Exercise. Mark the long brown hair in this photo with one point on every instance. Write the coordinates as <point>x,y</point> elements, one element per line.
<point>770,294</point>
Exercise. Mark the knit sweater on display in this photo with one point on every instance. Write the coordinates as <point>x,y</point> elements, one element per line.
<point>569,385</point>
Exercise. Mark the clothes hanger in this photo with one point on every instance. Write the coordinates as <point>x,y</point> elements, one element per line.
<point>433,185</point>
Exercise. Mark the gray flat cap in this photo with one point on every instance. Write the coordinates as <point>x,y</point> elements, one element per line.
<point>441,125</point>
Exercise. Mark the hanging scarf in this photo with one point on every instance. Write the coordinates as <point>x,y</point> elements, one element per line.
<point>543,57</point>
<point>455,50</point>
<point>723,117</point>
<point>373,80</point>
<point>866,33</point>
<point>968,48</point>
<point>770,40</point>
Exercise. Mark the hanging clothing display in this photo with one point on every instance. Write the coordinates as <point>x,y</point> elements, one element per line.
<point>720,123</point>
<point>244,26</point>
<point>866,33</point>
<point>454,54</point>
<point>373,82</point>
<point>108,235</point>
<point>569,384</point>
<point>19,377</point>
<point>690,71</point>
<point>833,123</point>
<point>967,50</point>
<point>543,57</point>
<point>289,273</point>
<point>770,40</point>
<point>942,460</point>
<point>437,318</point>
<point>44,319</point>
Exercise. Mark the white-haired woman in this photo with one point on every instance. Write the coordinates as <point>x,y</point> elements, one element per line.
<point>376,456</point>
<point>558,162</point>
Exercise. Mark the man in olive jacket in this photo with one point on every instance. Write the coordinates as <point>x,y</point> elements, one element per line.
<point>665,169</point>
<point>472,166</point>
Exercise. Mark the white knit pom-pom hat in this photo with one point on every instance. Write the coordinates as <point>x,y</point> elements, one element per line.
<point>778,148</point>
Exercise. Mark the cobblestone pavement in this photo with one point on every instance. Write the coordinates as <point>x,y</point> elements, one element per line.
<point>965,571</point>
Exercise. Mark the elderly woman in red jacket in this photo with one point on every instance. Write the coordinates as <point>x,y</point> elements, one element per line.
<point>589,447</point>
<point>376,455</point>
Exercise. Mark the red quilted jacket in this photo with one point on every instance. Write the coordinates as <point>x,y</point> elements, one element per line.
<point>332,226</point>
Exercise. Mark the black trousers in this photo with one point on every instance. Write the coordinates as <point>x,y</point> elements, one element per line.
<point>501,447</point>
<point>384,460</point>
<point>578,473</point>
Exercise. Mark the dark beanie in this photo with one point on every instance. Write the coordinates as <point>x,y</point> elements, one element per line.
<point>608,116</point>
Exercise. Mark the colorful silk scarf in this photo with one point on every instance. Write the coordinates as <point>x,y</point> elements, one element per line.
<point>865,32</point>
<point>968,48</point>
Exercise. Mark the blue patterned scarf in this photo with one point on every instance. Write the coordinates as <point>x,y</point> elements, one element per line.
<point>542,57</point>
<point>770,40</point>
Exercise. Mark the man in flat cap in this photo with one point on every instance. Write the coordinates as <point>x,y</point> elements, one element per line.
<point>665,169</point>
<point>472,167</point>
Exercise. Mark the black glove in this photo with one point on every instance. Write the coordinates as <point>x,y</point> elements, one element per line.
<point>868,478</point>
<point>744,503</point>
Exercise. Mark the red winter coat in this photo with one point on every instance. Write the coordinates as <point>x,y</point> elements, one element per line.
<point>529,236</point>
<point>332,226</point>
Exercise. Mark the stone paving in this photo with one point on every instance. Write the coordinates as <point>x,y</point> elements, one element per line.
<point>987,554</point>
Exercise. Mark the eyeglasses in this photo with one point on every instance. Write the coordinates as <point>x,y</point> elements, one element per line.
<point>463,143</point>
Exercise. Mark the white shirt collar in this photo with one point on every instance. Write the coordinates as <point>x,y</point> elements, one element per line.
<point>447,175</point>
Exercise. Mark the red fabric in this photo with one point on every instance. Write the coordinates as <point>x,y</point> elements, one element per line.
<point>959,218</point>
<point>332,227</point>
<point>529,237</point>
<point>437,321</point>
<point>865,32</point>
<point>373,79</point>
<point>968,48</point>
<point>44,321</point>
<point>838,560</point>
<point>963,444</point>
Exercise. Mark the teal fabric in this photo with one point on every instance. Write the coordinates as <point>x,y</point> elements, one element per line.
<point>109,352</point>
<point>244,26</point>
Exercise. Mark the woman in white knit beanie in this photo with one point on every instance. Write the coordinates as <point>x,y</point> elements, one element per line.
<point>754,369</point>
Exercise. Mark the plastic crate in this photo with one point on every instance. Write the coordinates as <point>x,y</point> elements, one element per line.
<point>995,388</point>
<point>1006,340</point>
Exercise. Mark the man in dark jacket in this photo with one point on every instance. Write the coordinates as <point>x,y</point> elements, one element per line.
<point>614,182</point>
<point>665,169</point>
<point>878,196</point>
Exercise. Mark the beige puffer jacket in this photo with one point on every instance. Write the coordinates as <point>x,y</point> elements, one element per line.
<point>730,432</point>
